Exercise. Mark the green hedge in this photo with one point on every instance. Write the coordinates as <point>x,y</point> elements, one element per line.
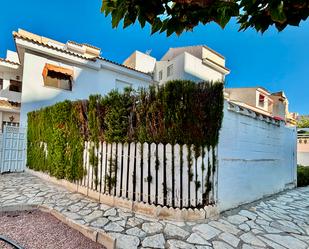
<point>302,176</point>
<point>179,112</point>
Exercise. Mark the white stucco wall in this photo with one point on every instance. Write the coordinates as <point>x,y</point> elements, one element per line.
<point>94,78</point>
<point>195,67</point>
<point>187,67</point>
<point>255,159</point>
<point>303,158</point>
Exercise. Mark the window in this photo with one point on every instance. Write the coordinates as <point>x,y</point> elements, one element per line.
<point>261,101</point>
<point>58,77</point>
<point>15,86</point>
<point>170,70</point>
<point>6,123</point>
<point>161,75</point>
<point>1,84</point>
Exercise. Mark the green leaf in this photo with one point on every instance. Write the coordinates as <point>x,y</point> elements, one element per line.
<point>277,14</point>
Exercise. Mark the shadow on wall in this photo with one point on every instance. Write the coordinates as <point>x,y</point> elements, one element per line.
<point>86,81</point>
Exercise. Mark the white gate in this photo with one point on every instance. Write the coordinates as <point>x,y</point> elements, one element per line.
<point>12,149</point>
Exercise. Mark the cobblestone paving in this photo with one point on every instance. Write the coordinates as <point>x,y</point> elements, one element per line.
<point>280,222</point>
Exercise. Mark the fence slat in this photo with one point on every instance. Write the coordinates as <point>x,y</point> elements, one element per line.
<point>83,181</point>
<point>119,169</point>
<point>192,177</point>
<point>153,161</point>
<point>169,175</point>
<point>185,177</point>
<point>99,167</point>
<point>113,168</point>
<point>131,172</point>
<point>160,170</point>
<point>104,162</point>
<point>199,178</point>
<point>145,172</point>
<point>211,196</point>
<point>138,173</point>
<point>177,170</point>
<point>108,168</point>
<point>124,189</point>
<point>204,179</point>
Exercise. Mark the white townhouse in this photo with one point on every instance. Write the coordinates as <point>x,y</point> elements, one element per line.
<point>195,63</point>
<point>55,71</point>
<point>45,71</point>
<point>10,89</point>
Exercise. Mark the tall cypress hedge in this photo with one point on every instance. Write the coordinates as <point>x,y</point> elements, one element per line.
<point>180,112</point>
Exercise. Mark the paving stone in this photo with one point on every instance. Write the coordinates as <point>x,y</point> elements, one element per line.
<point>244,227</point>
<point>84,212</point>
<point>203,247</point>
<point>251,239</point>
<point>72,216</point>
<point>101,222</point>
<point>248,214</point>
<point>206,231</point>
<point>121,222</point>
<point>94,215</point>
<point>246,246</point>
<point>196,239</point>
<point>175,231</point>
<point>154,241</point>
<point>278,226</point>
<point>220,245</point>
<point>178,244</point>
<point>136,232</point>
<point>152,227</point>
<point>287,241</point>
<point>134,222</point>
<point>124,241</point>
<point>271,243</point>
<point>224,227</point>
<point>237,219</point>
<point>113,227</point>
<point>230,239</point>
<point>111,212</point>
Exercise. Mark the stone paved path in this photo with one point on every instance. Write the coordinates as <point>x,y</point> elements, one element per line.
<point>280,222</point>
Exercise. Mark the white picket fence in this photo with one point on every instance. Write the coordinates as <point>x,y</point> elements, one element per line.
<point>167,175</point>
<point>12,149</point>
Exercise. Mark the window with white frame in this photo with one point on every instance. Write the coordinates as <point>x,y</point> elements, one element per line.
<point>58,77</point>
<point>170,70</point>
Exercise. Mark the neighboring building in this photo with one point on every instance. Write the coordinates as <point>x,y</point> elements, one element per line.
<point>10,90</point>
<point>55,71</point>
<point>197,63</point>
<point>303,146</point>
<point>260,99</point>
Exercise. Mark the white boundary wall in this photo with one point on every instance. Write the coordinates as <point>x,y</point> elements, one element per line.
<point>257,157</point>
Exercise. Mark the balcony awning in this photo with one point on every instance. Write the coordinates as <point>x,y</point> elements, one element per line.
<point>57,69</point>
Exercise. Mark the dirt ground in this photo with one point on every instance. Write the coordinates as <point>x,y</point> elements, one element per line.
<point>37,230</point>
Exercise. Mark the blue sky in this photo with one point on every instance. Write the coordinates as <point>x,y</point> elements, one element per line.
<point>277,61</point>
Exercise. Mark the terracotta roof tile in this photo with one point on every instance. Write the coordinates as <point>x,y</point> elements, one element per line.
<point>6,104</point>
<point>8,61</point>
<point>16,34</point>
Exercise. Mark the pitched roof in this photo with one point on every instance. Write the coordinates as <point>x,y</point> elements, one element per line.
<point>9,105</point>
<point>48,45</point>
<point>8,61</point>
